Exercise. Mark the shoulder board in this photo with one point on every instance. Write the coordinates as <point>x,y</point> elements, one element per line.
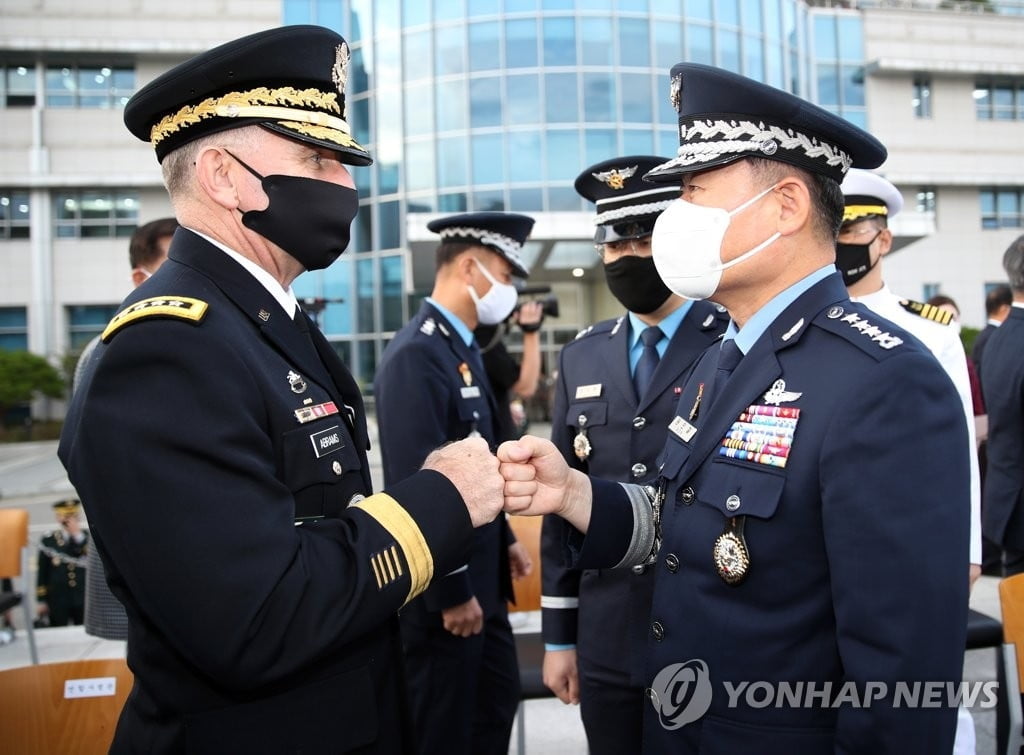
<point>861,327</point>
<point>178,307</point>
<point>927,311</point>
<point>605,326</point>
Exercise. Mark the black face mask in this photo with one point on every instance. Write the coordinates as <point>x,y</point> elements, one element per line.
<point>854,260</point>
<point>308,218</point>
<point>635,282</point>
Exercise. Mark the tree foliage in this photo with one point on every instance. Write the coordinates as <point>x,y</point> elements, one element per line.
<point>24,376</point>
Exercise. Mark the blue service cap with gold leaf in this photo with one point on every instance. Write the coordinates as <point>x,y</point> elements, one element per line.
<point>724,117</point>
<point>504,232</point>
<point>627,206</point>
<point>290,80</point>
<point>867,194</point>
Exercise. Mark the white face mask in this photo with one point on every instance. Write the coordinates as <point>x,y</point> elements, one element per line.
<point>499,301</point>
<point>687,246</point>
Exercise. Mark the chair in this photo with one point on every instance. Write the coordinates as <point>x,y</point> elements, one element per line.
<point>40,714</point>
<point>1011,601</point>
<point>14,555</point>
<point>529,645</point>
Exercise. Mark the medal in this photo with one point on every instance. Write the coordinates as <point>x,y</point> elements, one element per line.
<point>581,443</point>
<point>732,559</point>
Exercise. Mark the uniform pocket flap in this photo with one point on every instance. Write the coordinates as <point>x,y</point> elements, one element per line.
<point>741,490</point>
<point>596,413</point>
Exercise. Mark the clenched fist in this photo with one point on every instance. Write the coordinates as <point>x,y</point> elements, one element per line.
<point>538,481</point>
<point>471,467</point>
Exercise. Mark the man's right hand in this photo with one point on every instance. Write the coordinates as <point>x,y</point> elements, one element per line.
<point>471,467</point>
<point>561,675</point>
<point>539,481</point>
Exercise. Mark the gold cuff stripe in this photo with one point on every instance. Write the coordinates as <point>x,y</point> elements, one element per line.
<point>376,572</point>
<point>397,560</point>
<point>386,558</point>
<point>230,105</point>
<point>181,307</point>
<point>854,211</point>
<point>396,520</point>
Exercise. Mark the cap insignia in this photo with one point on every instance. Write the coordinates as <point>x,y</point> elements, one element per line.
<point>675,92</point>
<point>339,71</point>
<point>615,178</point>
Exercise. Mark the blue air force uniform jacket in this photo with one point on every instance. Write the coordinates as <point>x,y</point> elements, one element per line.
<point>207,423</point>
<point>430,389</point>
<point>604,612</point>
<point>856,546</point>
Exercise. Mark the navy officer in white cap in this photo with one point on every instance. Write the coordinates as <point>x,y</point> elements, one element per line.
<point>864,240</point>
<point>809,526</point>
<point>618,385</point>
<point>218,443</point>
<point>431,388</point>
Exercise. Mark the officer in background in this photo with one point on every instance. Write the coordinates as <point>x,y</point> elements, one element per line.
<point>810,525</point>
<point>513,381</point>
<point>1004,396</point>
<point>218,443</point>
<point>617,389</point>
<point>431,388</point>
<point>147,251</point>
<point>864,239</point>
<point>997,308</point>
<point>60,591</point>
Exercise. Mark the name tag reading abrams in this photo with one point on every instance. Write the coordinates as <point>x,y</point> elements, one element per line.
<point>327,441</point>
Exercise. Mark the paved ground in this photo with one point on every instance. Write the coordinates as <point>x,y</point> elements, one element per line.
<point>32,477</point>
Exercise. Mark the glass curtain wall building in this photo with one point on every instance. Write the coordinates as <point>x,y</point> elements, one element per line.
<point>471,105</point>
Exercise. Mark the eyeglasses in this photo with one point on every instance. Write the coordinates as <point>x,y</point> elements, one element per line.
<point>847,236</point>
<point>613,250</point>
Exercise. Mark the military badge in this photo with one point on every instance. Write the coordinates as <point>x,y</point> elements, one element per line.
<point>581,443</point>
<point>615,178</point>
<point>295,381</point>
<point>732,558</point>
<point>675,92</point>
<point>778,394</point>
<point>467,376</point>
<point>339,71</point>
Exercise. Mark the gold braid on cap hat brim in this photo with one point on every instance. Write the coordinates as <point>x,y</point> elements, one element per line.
<point>282,104</point>
<point>856,211</point>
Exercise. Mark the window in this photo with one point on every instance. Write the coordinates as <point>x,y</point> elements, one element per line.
<point>14,214</point>
<point>391,292</point>
<point>14,328</point>
<point>559,42</point>
<point>485,102</point>
<point>925,199</point>
<point>922,101</point>
<point>95,213</point>
<point>484,47</point>
<point>521,43</point>
<point>88,86</point>
<point>85,322</point>
<point>999,99</point>
<point>1001,208</point>
<point>18,85</point>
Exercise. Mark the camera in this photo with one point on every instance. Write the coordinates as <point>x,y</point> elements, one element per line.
<point>549,304</point>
